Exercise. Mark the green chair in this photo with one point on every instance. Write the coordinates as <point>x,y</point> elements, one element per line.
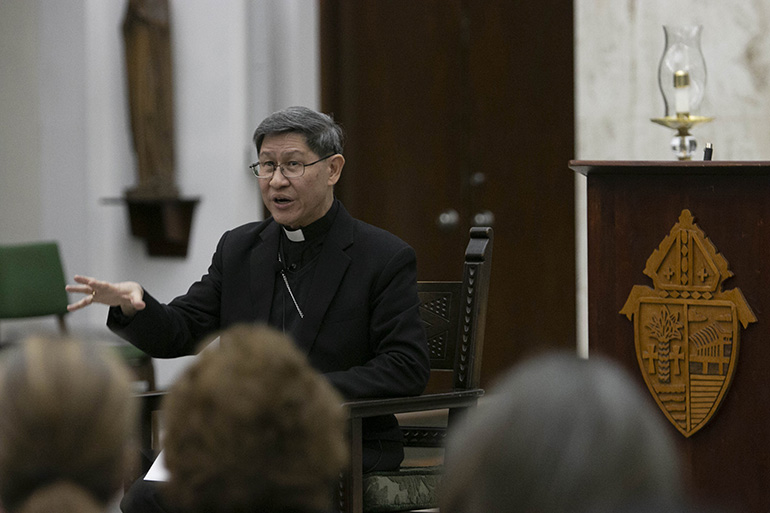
<point>32,282</point>
<point>32,285</point>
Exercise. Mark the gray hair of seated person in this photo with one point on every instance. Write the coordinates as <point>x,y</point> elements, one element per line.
<point>563,435</point>
<point>322,134</point>
<point>251,426</point>
<point>67,426</point>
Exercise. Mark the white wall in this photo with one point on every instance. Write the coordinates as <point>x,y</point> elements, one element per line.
<point>19,121</point>
<point>618,46</point>
<point>66,137</point>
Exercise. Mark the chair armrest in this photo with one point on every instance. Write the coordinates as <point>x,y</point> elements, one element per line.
<point>374,407</point>
<point>149,403</point>
<point>151,399</point>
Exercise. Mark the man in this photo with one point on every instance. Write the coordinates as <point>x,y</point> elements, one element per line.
<point>344,290</point>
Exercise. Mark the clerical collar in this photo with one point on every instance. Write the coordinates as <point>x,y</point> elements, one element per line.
<point>315,229</point>
<point>294,235</point>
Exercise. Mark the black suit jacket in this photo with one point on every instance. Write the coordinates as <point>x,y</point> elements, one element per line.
<point>362,327</point>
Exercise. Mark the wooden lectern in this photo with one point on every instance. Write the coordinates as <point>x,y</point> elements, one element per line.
<point>647,257</point>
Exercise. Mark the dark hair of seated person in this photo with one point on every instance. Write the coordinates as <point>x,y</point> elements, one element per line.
<point>67,426</point>
<point>251,426</point>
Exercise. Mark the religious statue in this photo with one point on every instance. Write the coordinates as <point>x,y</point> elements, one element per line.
<point>146,31</point>
<point>156,211</point>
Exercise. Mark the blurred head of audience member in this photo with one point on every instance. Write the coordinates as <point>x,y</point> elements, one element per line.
<point>560,434</point>
<point>250,426</point>
<point>67,426</point>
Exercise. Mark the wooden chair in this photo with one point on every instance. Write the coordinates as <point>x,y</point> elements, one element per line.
<point>454,314</point>
<point>32,285</point>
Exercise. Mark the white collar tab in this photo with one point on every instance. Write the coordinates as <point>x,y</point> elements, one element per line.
<point>295,235</point>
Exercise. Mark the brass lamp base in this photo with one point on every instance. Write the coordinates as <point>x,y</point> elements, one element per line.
<point>683,144</point>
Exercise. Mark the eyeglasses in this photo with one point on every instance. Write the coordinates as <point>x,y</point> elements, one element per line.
<point>291,169</point>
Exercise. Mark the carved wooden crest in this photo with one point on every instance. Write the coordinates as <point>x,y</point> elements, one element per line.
<point>686,329</point>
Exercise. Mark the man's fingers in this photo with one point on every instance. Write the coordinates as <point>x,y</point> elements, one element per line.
<point>84,280</point>
<point>106,293</point>
<point>78,289</point>
<point>88,287</point>
<point>79,304</point>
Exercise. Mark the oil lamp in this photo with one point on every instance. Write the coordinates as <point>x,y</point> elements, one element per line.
<point>682,82</point>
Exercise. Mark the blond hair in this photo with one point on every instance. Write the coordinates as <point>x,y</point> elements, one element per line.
<point>66,426</point>
<point>250,426</point>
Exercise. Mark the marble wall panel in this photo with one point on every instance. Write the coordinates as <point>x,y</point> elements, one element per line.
<point>618,48</point>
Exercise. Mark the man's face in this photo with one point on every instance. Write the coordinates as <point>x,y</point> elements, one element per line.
<point>297,202</point>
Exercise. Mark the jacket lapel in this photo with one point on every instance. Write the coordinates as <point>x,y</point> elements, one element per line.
<point>263,262</point>
<point>332,265</point>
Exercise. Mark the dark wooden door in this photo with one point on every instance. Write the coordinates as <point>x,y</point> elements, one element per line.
<point>464,108</point>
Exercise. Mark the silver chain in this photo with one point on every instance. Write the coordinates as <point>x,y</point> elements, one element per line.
<point>286,281</point>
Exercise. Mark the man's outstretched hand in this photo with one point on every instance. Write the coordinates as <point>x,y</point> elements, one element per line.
<point>127,294</point>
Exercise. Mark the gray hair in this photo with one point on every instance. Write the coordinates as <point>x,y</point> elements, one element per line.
<point>560,434</point>
<point>322,134</point>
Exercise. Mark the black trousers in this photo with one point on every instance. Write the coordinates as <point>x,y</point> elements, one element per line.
<point>146,496</point>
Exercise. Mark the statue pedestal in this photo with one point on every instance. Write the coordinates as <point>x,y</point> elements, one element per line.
<point>164,223</point>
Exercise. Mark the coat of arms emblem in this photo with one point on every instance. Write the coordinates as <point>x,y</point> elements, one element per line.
<point>686,329</point>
